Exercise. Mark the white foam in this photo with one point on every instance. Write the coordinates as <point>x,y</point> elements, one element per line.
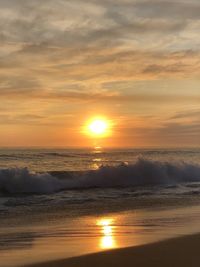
<point>23,181</point>
<point>141,173</point>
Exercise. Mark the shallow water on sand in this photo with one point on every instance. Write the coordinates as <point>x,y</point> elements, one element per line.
<point>72,236</point>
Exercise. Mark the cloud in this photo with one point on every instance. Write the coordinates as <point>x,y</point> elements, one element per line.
<point>64,23</point>
<point>178,133</point>
<point>109,39</point>
<point>164,134</point>
<point>135,56</point>
<point>168,9</point>
<point>164,69</point>
<point>193,114</point>
<point>21,119</point>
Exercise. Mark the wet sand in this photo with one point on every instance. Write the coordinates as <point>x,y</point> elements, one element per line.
<point>182,251</point>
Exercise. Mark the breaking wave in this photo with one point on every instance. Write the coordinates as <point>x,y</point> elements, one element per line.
<point>141,173</point>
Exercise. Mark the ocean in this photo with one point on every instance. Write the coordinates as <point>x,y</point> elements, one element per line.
<point>57,203</point>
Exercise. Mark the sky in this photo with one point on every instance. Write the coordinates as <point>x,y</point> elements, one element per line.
<point>134,62</point>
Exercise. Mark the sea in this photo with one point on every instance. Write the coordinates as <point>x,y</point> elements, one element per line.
<point>60,203</point>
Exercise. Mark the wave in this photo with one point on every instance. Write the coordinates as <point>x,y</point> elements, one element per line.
<point>57,154</point>
<point>34,155</point>
<point>141,173</point>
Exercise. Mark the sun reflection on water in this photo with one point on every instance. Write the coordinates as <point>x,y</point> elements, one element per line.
<point>107,240</point>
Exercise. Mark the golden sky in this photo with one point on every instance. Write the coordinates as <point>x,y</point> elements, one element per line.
<point>134,62</point>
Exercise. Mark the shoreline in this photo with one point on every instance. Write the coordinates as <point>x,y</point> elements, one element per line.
<point>180,251</point>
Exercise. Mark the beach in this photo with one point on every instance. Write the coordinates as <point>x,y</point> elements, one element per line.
<point>112,236</point>
<point>182,251</point>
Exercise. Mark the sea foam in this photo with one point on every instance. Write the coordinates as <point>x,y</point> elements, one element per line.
<point>141,173</point>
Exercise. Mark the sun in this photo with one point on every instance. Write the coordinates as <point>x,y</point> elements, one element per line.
<point>98,127</point>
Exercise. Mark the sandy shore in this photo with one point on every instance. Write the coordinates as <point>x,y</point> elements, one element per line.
<point>182,251</point>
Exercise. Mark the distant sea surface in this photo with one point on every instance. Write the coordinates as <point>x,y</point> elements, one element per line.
<point>57,203</point>
<point>45,160</point>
